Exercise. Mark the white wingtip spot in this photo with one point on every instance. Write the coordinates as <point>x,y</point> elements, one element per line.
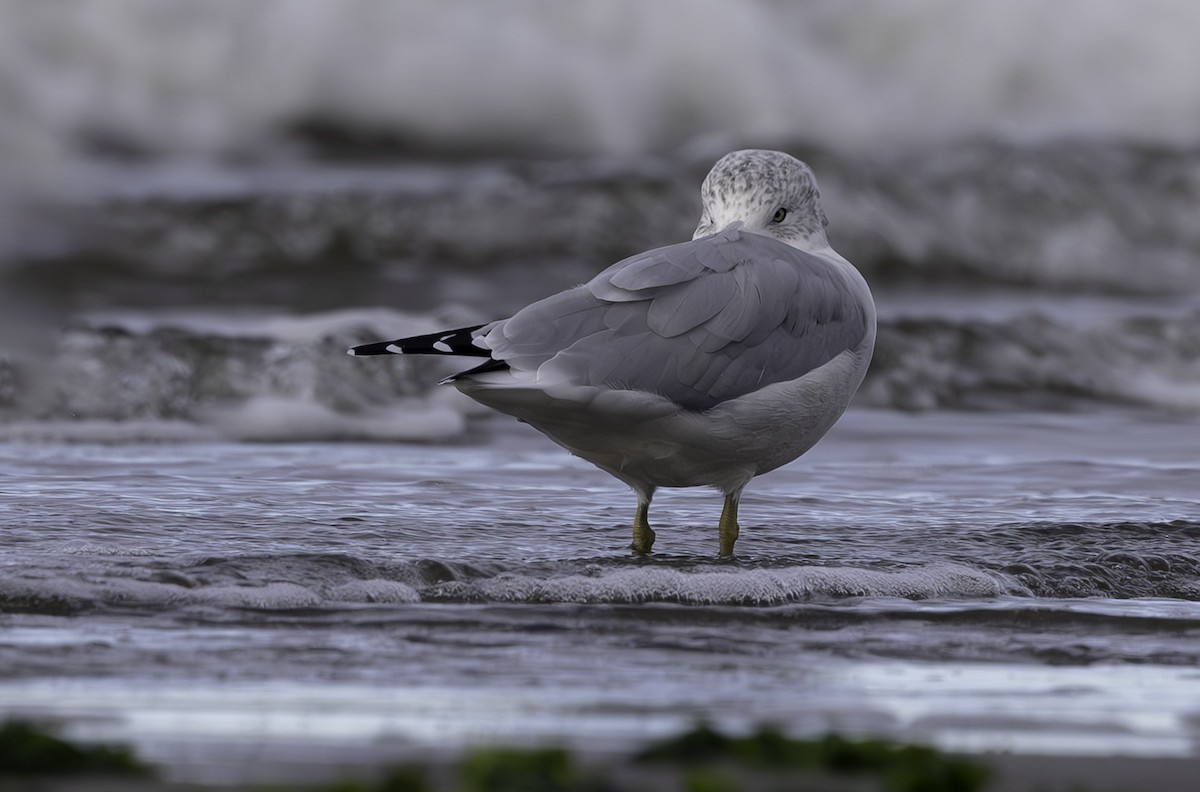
<point>442,346</point>
<point>395,350</point>
<point>351,353</point>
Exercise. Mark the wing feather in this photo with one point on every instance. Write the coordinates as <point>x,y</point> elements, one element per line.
<point>689,305</point>
<point>699,323</point>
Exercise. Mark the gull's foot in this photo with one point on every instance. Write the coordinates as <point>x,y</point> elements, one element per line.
<point>643,541</point>
<point>643,535</point>
<point>728,526</point>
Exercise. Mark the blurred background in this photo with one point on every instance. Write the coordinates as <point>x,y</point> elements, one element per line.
<point>203,203</point>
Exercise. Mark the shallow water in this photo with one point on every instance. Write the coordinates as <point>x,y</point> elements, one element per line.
<point>984,581</point>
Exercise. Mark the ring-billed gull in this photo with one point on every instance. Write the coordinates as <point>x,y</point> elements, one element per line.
<point>704,363</point>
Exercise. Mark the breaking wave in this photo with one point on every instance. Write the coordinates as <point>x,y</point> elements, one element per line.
<point>324,582</point>
<point>321,582</point>
<point>1093,218</point>
<point>227,78</point>
<point>744,587</point>
<point>290,379</point>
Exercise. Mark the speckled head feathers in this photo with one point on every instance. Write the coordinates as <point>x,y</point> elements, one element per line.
<point>753,186</point>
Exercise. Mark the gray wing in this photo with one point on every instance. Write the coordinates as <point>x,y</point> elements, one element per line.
<point>699,323</point>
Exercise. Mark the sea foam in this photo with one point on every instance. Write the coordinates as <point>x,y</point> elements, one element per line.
<point>738,587</point>
<point>225,78</point>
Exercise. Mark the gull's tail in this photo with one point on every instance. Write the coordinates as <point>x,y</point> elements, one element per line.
<point>447,342</point>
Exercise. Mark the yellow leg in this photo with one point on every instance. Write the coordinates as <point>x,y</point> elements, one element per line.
<point>729,525</point>
<point>643,536</point>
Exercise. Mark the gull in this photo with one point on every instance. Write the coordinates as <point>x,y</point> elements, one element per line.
<point>702,363</point>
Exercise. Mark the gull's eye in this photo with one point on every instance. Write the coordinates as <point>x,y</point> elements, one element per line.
<point>779,215</point>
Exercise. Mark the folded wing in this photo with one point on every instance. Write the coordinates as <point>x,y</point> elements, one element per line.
<point>698,323</point>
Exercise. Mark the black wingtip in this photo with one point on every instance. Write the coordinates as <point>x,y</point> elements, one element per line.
<point>447,342</point>
<point>377,348</point>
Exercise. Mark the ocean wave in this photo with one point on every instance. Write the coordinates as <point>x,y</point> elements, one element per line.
<point>241,583</point>
<point>1036,566</point>
<point>289,379</point>
<point>1053,218</point>
<point>1107,560</point>
<point>263,380</point>
<point>741,587</point>
<point>43,596</point>
<point>1035,361</point>
<point>299,583</point>
<point>227,78</point>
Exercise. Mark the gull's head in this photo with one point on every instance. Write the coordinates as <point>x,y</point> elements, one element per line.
<point>769,193</point>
